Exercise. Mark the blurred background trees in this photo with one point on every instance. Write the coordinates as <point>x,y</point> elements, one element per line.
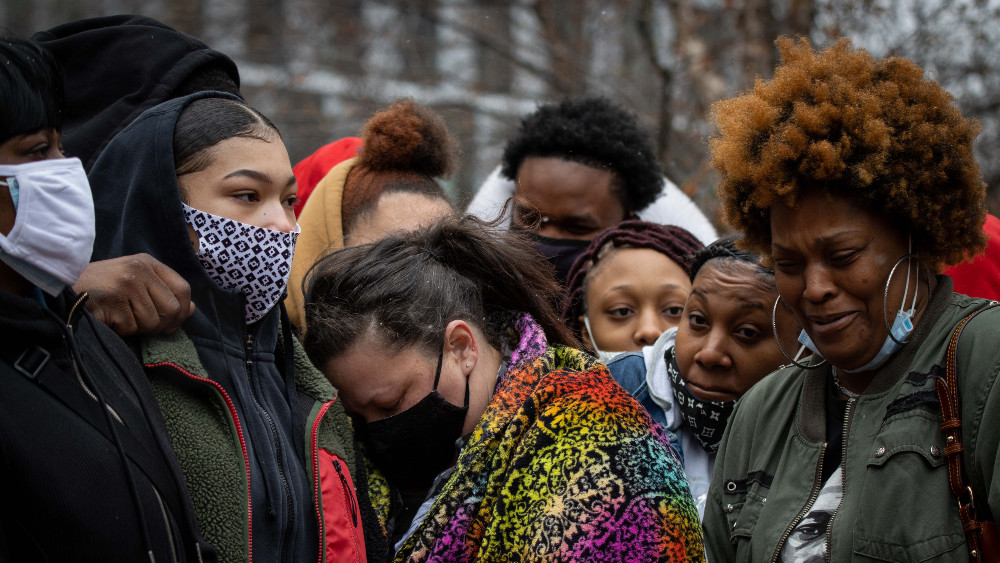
<point>319,68</point>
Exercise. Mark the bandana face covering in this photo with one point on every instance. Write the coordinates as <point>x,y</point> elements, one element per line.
<point>706,418</point>
<point>252,259</point>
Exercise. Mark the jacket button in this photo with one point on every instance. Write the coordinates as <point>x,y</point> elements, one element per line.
<point>880,452</point>
<point>731,486</point>
<point>728,508</point>
<point>935,451</point>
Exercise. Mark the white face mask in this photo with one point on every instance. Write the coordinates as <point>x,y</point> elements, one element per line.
<point>53,234</point>
<point>252,259</point>
<point>601,354</point>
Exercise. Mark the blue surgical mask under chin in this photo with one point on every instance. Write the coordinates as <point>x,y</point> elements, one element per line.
<point>901,329</point>
<point>902,326</point>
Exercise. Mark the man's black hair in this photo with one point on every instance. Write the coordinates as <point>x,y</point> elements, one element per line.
<point>31,87</point>
<point>595,132</point>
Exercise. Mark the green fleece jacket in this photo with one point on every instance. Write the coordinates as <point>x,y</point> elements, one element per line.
<point>205,435</point>
<point>896,505</point>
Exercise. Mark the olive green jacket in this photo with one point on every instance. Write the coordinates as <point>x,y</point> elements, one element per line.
<point>206,436</point>
<point>897,505</point>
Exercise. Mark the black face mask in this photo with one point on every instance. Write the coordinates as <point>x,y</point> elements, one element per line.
<point>560,252</point>
<point>413,446</point>
<point>707,419</point>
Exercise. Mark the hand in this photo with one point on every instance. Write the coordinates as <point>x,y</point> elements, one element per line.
<point>136,294</point>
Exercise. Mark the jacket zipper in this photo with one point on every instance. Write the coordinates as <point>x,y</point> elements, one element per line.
<point>843,474</point>
<point>352,503</point>
<point>289,509</point>
<point>239,434</point>
<point>817,486</point>
<point>72,357</point>
<point>317,486</point>
<point>166,523</point>
<point>318,490</point>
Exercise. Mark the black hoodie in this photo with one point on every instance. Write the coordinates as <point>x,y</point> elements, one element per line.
<point>117,67</point>
<point>139,210</point>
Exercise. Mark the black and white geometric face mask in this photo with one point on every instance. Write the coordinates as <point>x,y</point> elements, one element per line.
<point>252,259</point>
<point>706,419</point>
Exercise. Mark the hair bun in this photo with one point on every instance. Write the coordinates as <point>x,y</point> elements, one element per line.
<point>407,136</point>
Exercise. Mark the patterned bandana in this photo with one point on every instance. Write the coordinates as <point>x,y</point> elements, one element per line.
<point>252,259</point>
<point>706,419</point>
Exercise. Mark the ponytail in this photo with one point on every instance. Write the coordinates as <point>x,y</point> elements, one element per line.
<point>406,288</point>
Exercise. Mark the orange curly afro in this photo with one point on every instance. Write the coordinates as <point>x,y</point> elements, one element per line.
<point>875,132</point>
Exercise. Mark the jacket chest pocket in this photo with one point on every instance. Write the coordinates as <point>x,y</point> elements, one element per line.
<point>744,499</point>
<point>906,511</point>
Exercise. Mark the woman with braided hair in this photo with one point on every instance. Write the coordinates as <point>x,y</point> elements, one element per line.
<point>629,286</point>
<point>493,438</point>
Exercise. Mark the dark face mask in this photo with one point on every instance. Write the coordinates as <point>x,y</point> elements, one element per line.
<point>707,419</point>
<point>560,252</point>
<point>413,446</point>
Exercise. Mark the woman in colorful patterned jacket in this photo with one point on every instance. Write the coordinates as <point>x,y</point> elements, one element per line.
<point>493,437</point>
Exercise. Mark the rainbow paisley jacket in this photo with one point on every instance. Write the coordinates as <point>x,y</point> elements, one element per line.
<point>564,465</point>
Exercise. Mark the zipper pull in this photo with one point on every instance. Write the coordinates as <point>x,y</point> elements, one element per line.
<point>249,350</point>
<point>352,502</point>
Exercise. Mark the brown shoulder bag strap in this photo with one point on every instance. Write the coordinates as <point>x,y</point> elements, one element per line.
<point>983,537</point>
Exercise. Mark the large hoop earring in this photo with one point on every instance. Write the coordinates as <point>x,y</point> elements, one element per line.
<point>885,294</point>
<point>774,330</point>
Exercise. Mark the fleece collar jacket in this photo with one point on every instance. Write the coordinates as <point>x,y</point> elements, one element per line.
<point>223,384</point>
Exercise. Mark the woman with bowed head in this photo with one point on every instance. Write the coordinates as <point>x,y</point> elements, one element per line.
<point>855,177</point>
<point>493,437</point>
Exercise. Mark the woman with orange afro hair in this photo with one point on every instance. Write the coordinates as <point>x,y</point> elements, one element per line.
<point>855,178</point>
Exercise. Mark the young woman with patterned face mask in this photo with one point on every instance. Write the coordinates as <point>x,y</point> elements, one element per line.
<point>692,376</point>
<point>491,434</point>
<point>207,188</point>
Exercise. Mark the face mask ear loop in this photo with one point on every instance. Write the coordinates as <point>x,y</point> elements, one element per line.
<point>885,295</point>
<point>437,374</point>
<point>774,330</point>
<point>593,341</point>
<point>916,282</point>
<point>802,349</point>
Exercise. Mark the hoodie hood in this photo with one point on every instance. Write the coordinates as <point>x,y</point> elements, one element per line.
<point>138,206</point>
<point>119,66</point>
